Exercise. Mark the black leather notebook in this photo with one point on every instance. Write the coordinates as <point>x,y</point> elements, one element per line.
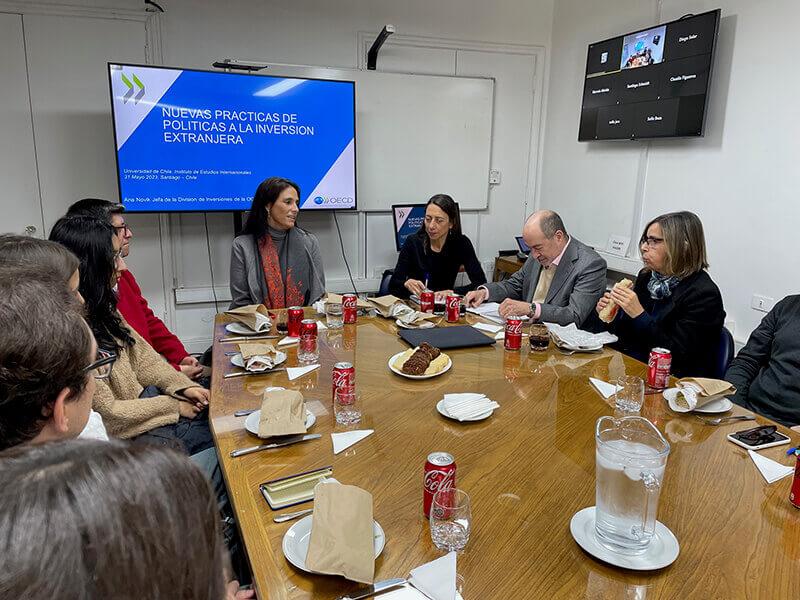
<point>460,336</point>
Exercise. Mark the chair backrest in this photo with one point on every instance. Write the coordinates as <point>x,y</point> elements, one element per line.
<point>384,289</point>
<point>724,352</point>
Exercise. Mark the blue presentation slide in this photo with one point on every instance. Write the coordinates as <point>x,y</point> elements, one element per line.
<point>203,141</point>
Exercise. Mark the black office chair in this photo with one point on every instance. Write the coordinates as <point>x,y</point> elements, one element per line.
<point>384,289</point>
<point>724,352</point>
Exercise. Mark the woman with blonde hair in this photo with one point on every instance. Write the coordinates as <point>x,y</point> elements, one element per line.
<point>674,304</point>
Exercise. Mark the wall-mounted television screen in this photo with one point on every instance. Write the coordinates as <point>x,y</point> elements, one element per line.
<point>190,140</point>
<point>651,83</point>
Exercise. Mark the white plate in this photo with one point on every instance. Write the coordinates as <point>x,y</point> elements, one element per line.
<point>442,411</point>
<point>242,329</point>
<point>238,361</point>
<point>399,372</point>
<point>251,422</point>
<point>712,408</point>
<point>423,325</point>
<point>662,551</point>
<point>594,348</point>
<point>296,538</point>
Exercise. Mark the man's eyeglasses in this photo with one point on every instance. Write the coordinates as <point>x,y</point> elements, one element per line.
<point>651,241</point>
<point>101,368</point>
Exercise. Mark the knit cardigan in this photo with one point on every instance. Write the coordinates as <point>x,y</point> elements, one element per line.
<point>117,398</point>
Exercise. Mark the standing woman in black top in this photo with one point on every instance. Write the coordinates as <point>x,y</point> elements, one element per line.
<point>432,257</point>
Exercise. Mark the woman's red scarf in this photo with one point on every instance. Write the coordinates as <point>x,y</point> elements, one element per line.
<point>276,292</point>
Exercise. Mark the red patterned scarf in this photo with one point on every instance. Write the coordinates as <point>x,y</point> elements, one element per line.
<point>276,292</point>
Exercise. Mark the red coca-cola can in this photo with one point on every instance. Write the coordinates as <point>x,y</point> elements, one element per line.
<point>794,495</point>
<point>658,368</point>
<point>349,308</point>
<point>343,377</point>
<point>513,336</point>
<point>426,301</point>
<point>452,308</point>
<point>440,474</point>
<point>294,317</point>
<point>308,327</point>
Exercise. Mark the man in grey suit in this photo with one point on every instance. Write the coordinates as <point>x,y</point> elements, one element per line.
<point>561,281</point>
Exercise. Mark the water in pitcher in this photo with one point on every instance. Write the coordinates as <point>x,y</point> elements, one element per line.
<point>631,457</point>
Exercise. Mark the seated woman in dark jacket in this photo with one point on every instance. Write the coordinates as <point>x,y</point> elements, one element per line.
<point>433,256</point>
<point>674,304</point>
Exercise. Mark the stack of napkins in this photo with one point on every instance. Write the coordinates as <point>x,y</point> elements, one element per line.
<point>283,412</point>
<point>770,469</point>
<point>342,538</point>
<point>572,338</point>
<point>254,316</point>
<point>696,392</point>
<point>467,405</point>
<point>257,356</point>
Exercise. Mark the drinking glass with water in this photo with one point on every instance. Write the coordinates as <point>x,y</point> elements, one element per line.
<point>451,519</point>
<point>629,396</point>
<point>631,456</point>
<point>333,315</point>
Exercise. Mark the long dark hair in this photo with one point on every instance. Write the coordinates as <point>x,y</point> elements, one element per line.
<point>267,193</point>
<point>450,208</point>
<point>92,242</point>
<point>91,519</point>
<point>24,251</point>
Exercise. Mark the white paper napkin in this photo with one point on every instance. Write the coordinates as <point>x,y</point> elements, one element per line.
<point>487,327</point>
<point>342,441</point>
<point>288,341</point>
<point>319,306</point>
<point>436,579</point>
<point>502,335</point>
<point>295,372</point>
<point>408,593</point>
<point>606,389</point>
<point>770,469</point>
<point>321,325</point>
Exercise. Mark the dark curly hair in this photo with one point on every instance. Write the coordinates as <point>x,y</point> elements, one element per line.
<point>91,240</point>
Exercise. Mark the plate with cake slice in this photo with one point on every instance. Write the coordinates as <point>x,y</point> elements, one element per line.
<point>423,362</point>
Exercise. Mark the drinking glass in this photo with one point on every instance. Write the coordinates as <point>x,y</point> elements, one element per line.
<point>539,337</point>
<point>333,315</point>
<point>308,349</point>
<point>629,396</point>
<point>630,460</point>
<point>347,406</point>
<point>451,519</point>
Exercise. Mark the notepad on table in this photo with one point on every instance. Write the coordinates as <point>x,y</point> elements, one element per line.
<point>294,489</point>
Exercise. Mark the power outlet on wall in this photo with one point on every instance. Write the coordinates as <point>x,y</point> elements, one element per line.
<point>762,303</point>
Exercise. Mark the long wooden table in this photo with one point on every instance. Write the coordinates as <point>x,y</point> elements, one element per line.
<point>527,469</point>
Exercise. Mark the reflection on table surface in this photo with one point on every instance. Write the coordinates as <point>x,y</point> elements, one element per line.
<point>527,469</point>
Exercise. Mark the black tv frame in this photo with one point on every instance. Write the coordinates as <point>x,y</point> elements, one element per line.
<point>715,37</point>
<point>354,208</point>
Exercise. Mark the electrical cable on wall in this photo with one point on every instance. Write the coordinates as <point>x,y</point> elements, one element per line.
<point>344,256</point>
<point>210,263</point>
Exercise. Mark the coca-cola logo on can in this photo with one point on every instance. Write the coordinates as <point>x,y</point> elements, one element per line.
<point>349,301</point>
<point>453,302</point>
<point>439,480</point>
<point>513,326</point>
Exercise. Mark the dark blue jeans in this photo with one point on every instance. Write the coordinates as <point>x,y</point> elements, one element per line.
<point>188,435</point>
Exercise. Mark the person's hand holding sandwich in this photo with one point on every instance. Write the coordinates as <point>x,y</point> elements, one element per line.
<point>621,296</point>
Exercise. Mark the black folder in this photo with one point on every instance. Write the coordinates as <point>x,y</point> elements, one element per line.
<point>460,336</point>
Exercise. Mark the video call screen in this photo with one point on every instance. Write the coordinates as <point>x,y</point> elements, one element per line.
<point>651,83</point>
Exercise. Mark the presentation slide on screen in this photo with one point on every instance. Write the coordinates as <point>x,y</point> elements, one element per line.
<point>407,221</point>
<point>651,83</point>
<point>203,141</point>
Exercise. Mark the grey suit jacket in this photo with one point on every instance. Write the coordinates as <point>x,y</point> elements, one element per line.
<point>247,275</point>
<point>578,283</point>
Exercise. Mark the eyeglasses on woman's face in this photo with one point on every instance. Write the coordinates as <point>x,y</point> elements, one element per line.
<point>650,241</point>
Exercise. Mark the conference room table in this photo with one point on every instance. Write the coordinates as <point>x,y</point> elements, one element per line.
<point>527,469</point>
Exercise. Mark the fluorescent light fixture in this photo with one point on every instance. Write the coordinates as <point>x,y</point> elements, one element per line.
<point>276,89</point>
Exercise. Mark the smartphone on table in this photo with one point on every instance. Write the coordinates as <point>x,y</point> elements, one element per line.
<point>758,438</point>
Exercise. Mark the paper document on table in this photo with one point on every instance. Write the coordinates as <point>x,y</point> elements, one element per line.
<point>577,339</point>
<point>488,310</point>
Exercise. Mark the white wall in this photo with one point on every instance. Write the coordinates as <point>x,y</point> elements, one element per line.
<point>740,179</point>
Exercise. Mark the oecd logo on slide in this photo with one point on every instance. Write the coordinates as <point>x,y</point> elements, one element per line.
<point>319,200</point>
<point>346,201</point>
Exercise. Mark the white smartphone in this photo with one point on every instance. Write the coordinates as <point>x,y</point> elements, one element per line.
<point>740,438</point>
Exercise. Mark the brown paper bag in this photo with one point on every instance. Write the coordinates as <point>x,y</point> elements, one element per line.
<point>710,389</point>
<point>337,299</point>
<point>342,538</point>
<point>384,304</point>
<point>254,316</point>
<point>251,349</point>
<point>282,413</point>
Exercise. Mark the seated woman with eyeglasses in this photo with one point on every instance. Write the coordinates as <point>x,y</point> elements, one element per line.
<point>142,397</point>
<point>674,304</point>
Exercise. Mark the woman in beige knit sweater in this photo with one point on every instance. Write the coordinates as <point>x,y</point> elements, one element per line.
<point>144,397</point>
